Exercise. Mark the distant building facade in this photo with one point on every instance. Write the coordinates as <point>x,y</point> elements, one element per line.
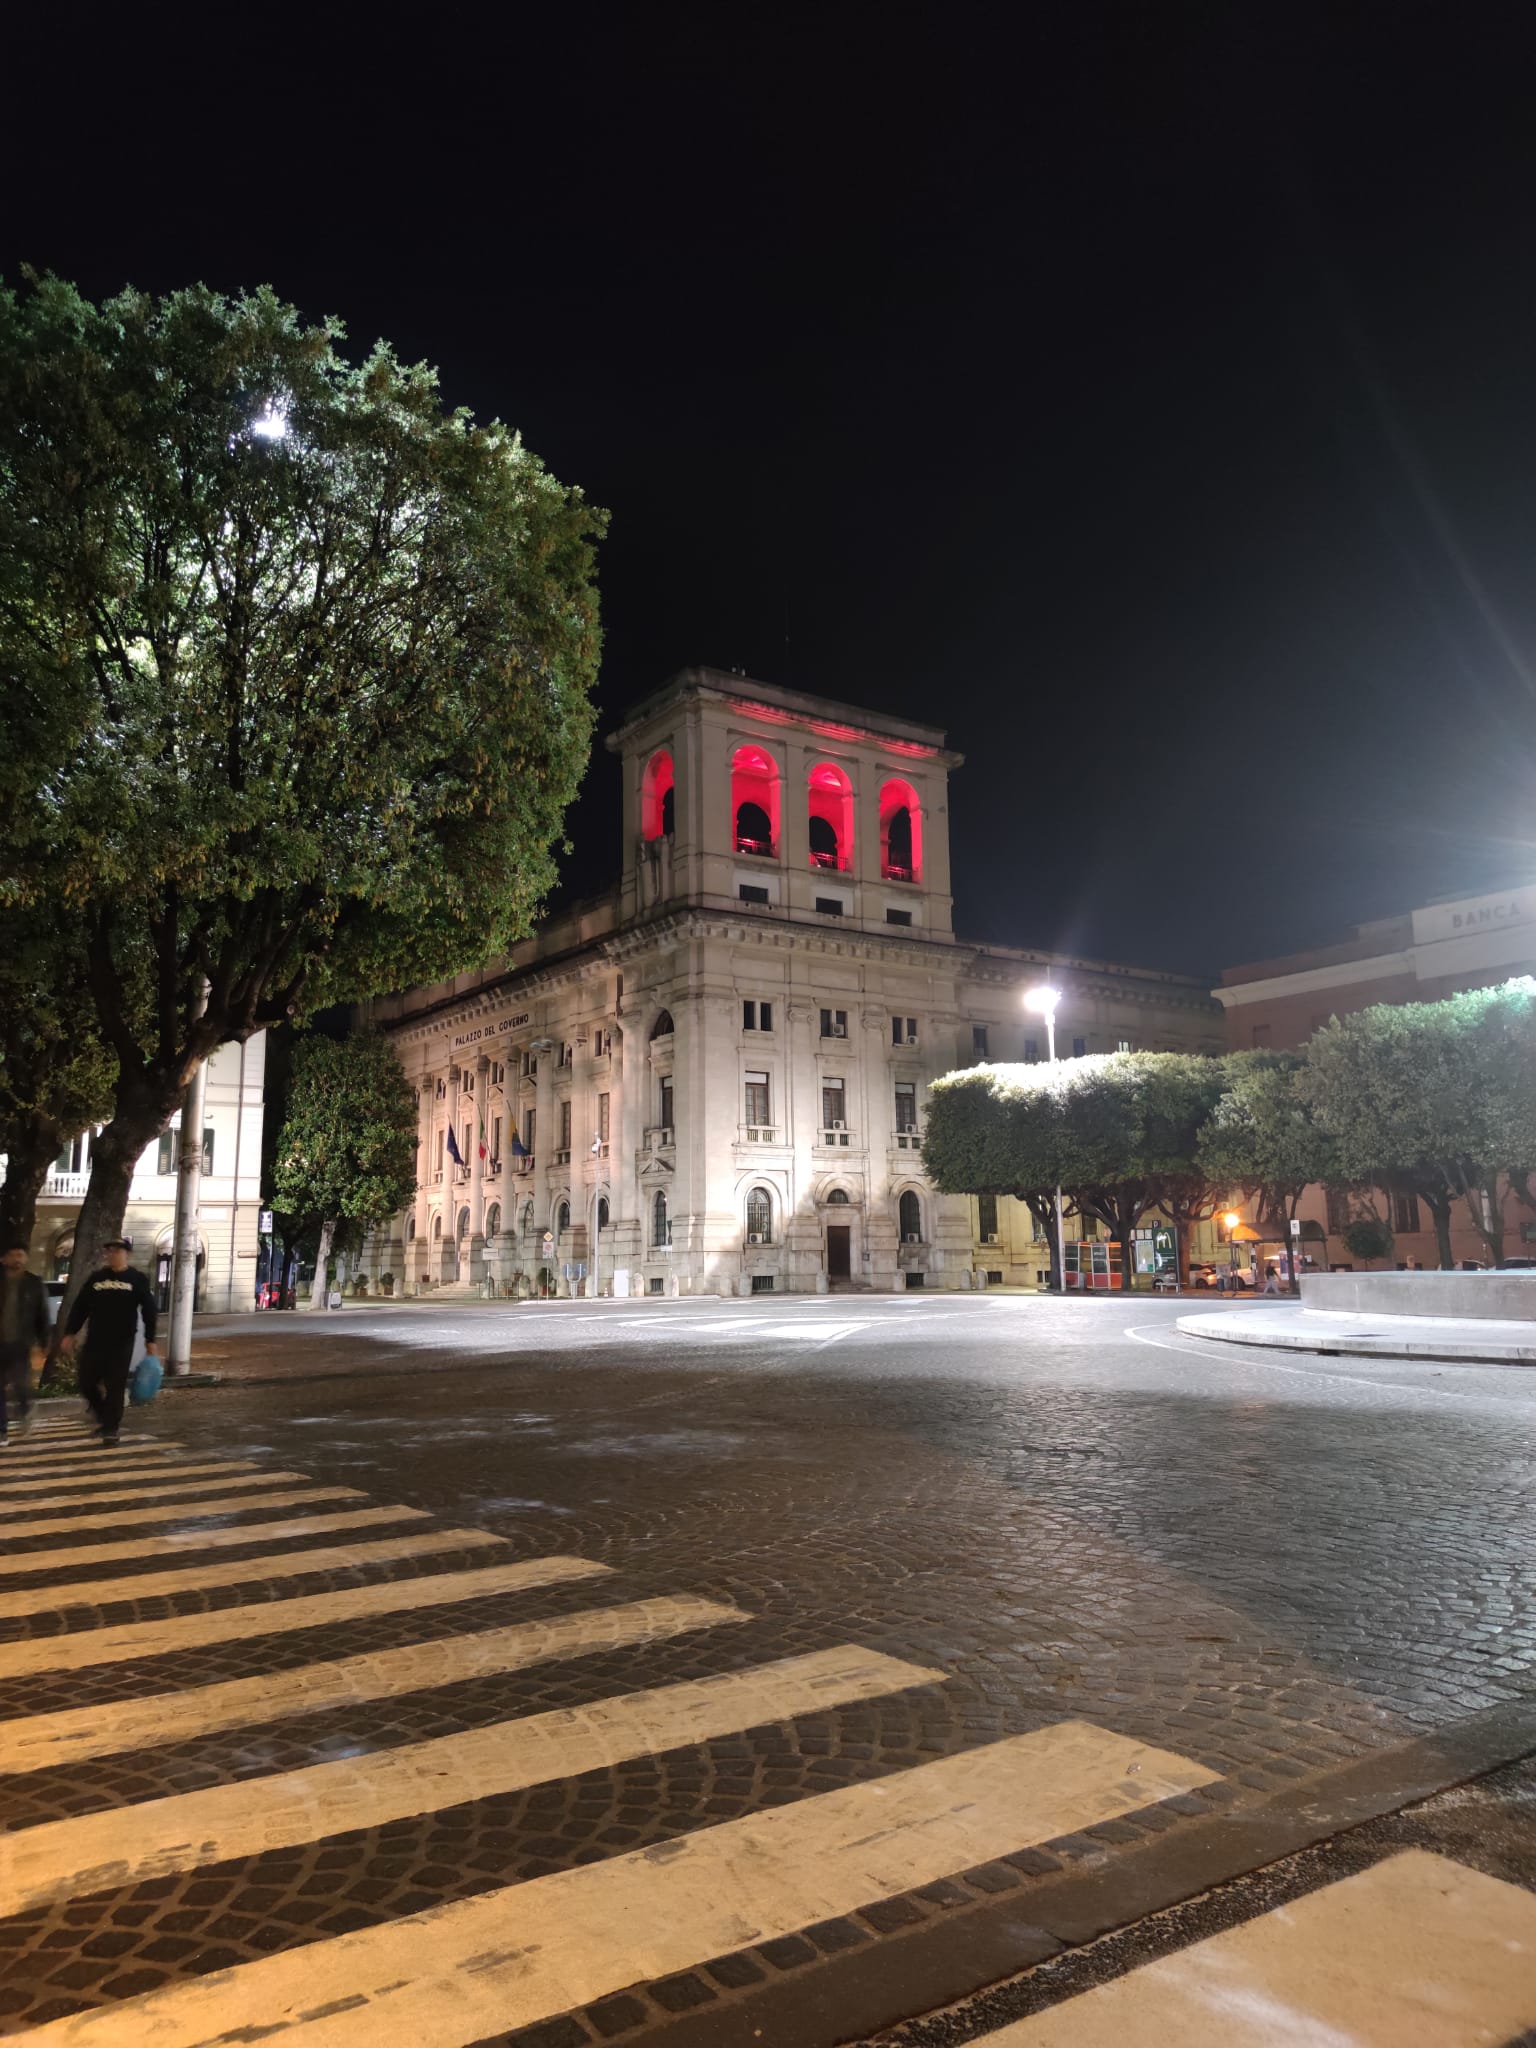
<point>230,1199</point>
<point>713,1079</point>
<point>1418,956</point>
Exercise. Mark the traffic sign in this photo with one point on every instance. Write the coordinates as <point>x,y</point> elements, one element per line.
<point>264,1221</point>
<point>1295,1226</point>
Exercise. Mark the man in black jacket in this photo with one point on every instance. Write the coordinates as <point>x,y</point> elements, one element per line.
<point>110,1303</point>
<point>23,1330</point>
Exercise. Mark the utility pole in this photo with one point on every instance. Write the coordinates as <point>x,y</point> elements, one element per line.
<point>189,1179</point>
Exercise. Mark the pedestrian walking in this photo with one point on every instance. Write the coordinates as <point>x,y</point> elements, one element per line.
<point>23,1330</point>
<point>110,1304</point>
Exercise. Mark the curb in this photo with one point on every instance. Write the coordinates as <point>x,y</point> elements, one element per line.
<point>902,1979</point>
<point>1362,1345</point>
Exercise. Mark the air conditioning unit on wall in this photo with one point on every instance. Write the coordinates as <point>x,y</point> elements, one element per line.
<point>838,1124</point>
<point>911,1238</point>
<point>992,1239</point>
<point>756,1237</point>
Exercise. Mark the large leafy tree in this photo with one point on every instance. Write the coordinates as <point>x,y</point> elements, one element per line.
<point>1437,1097</point>
<point>346,1155</point>
<point>1263,1135</point>
<point>1117,1131</point>
<point>56,1075</point>
<point>298,667</point>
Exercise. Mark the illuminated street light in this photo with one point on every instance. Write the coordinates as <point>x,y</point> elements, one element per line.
<point>1043,1001</point>
<point>272,425</point>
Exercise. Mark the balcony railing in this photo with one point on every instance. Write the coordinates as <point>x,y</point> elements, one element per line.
<point>908,1140</point>
<point>523,1165</point>
<point>835,1135</point>
<point>66,1187</point>
<point>893,871</point>
<point>563,1156</point>
<point>658,1136</point>
<point>760,1134</point>
<point>763,848</point>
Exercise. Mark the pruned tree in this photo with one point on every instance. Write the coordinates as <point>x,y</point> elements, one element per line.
<point>346,1155</point>
<point>298,667</point>
<point>1118,1132</point>
<point>1436,1097</point>
<point>1263,1136</point>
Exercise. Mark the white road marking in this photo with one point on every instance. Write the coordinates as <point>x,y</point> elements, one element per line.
<point>1416,1952</point>
<point>476,1967</point>
<point>130,1844</point>
<point>66,1521</point>
<point>42,1741</point>
<point>182,1540</point>
<point>136,1641</point>
<point>188,1479</point>
<point>160,1494</point>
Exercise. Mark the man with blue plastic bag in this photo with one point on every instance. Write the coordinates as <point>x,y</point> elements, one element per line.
<point>109,1305</point>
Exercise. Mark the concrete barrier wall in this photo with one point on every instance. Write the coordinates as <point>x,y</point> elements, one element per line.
<point>1505,1296</point>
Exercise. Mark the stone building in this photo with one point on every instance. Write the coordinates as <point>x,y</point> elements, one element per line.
<point>229,1206</point>
<point>713,1079</point>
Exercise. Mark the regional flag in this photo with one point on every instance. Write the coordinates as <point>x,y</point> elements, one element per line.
<point>453,1148</point>
<point>519,1149</point>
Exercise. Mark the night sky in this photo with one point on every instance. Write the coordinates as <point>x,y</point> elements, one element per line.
<point>1145,396</point>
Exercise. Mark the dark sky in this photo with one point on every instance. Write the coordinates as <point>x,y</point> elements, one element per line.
<point>1146,396</point>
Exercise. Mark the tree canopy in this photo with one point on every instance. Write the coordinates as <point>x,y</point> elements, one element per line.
<point>1263,1136</point>
<point>298,663</point>
<point>1439,1097</point>
<point>347,1149</point>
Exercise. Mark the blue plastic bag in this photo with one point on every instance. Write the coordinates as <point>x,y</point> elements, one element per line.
<point>145,1383</point>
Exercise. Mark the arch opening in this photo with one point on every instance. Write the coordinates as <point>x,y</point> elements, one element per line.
<point>901,832</point>
<point>829,798</point>
<point>658,797</point>
<point>760,1216</point>
<point>755,802</point>
<point>910,1214</point>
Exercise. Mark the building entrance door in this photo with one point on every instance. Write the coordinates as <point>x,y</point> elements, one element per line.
<point>839,1253</point>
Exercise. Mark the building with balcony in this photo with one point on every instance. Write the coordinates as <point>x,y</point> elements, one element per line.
<point>713,1079</point>
<point>230,1199</point>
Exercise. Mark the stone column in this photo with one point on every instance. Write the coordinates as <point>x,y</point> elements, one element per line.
<point>426,1120</point>
<point>480,1103</point>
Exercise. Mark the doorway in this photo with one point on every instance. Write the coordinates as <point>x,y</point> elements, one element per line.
<point>839,1251</point>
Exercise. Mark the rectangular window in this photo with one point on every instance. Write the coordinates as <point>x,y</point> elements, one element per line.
<point>666,1102</point>
<point>1122,1045</point>
<point>898,917</point>
<point>979,1040</point>
<point>750,892</point>
<point>757,1100</point>
<point>762,1283</point>
<point>207,1151</point>
<point>906,1106</point>
<point>833,1106</point>
<point>829,906</point>
<point>1079,1048</point>
<point>530,1125</point>
<point>1088,1226</point>
<point>986,1217</point>
<point>903,1031</point>
<point>1259,1034</point>
<point>165,1163</point>
<point>1405,1214</point>
<point>834,1023</point>
<point>495,1141</point>
<point>1031,1050</point>
<point>565,1124</point>
<point>1338,1210</point>
<point>439,1155</point>
<point>756,1016</point>
<point>603,1112</point>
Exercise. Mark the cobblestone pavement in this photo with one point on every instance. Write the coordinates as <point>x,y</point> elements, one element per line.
<point>1019,1588</point>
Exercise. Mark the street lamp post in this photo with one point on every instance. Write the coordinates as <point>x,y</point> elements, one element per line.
<point>1043,1002</point>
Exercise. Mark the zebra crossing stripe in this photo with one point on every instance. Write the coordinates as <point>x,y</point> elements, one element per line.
<point>158,1494</point>
<point>459,1973</point>
<point>65,1521</point>
<point>183,1478</point>
<point>1416,1952</point>
<point>128,1845</point>
<point>90,1457</point>
<point>135,1641</point>
<point>177,1544</point>
<point>43,1741</point>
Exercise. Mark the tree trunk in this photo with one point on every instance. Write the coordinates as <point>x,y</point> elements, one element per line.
<point>115,1153</point>
<point>1438,1202</point>
<point>1486,1213</point>
<point>1043,1209</point>
<point>318,1293</point>
<point>31,1148</point>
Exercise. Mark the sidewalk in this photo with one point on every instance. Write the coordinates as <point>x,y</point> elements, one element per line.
<point>1288,1327</point>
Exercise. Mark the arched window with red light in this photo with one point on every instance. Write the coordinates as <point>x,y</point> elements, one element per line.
<point>656,797</point>
<point>755,801</point>
<point>830,798</point>
<point>901,832</point>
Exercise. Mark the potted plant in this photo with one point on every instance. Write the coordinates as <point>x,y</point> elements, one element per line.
<point>386,1283</point>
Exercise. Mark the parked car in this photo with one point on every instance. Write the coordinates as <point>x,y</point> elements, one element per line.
<point>1219,1276</point>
